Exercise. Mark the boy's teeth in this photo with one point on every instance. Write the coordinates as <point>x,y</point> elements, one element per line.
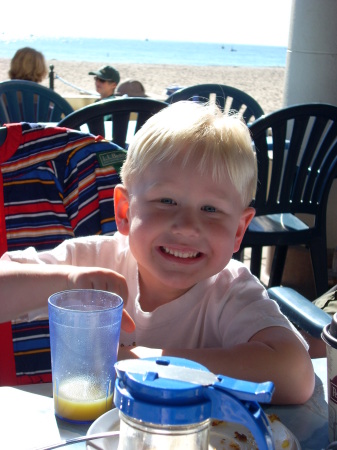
<point>180,254</point>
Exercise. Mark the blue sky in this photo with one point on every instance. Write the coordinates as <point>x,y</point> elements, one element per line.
<point>260,22</point>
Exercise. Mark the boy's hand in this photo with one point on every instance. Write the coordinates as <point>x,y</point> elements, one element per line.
<point>105,280</point>
<point>97,278</point>
<point>34,283</point>
<point>128,324</point>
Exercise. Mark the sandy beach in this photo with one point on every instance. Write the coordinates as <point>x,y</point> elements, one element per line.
<point>265,84</point>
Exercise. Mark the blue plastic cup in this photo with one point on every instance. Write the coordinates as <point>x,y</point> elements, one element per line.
<point>84,337</point>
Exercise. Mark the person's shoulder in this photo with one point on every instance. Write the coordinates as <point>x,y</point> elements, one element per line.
<point>235,270</point>
<point>100,239</point>
<point>117,241</point>
<point>106,248</point>
<point>101,100</point>
<point>236,280</point>
<point>90,241</point>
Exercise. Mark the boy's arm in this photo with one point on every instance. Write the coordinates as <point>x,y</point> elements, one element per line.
<point>25,287</point>
<point>273,354</point>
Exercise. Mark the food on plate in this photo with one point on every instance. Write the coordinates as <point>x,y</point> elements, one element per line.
<point>234,436</point>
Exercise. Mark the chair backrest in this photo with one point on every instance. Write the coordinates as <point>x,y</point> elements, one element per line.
<point>226,97</point>
<point>116,119</point>
<point>26,101</point>
<point>296,171</point>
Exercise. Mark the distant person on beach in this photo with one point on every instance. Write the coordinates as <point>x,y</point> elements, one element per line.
<point>28,64</point>
<point>130,88</point>
<point>106,80</point>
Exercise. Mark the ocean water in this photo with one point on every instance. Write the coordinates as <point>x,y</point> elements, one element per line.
<point>149,52</point>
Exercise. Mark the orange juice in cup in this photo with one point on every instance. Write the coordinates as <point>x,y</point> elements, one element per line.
<point>81,400</point>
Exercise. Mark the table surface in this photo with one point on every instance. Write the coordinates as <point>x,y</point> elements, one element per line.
<point>27,418</point>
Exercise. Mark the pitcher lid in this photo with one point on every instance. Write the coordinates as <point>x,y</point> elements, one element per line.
<point>159,400</point>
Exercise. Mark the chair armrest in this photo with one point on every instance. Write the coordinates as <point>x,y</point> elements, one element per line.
<point>299,310</point>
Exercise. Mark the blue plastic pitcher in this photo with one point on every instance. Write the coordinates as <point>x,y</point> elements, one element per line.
<point>168,403</point>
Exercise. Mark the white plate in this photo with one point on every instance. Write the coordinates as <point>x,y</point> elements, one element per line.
<point>223,435</point>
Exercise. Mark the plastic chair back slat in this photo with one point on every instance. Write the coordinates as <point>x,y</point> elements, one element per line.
<point>96,126</point>
<point>120,128</point>
<point>26,101</point>
<point>9,107</point>
<point>321,163</point>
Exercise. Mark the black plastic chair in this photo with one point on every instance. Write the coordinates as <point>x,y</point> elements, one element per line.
<point>294,178</point>
<point>226,97</point>
<point>122,114</point>
<point>26,101</point>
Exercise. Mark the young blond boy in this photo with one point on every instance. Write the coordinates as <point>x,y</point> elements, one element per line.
<point>181,212</point>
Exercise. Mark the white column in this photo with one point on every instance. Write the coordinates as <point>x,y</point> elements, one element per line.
<point>311,69</point>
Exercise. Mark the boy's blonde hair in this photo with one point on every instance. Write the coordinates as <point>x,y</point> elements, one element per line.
<point>28,64</point>
<point>216,142</point>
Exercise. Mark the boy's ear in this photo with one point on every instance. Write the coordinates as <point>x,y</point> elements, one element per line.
<point>121,202</point>
<point>246,217</point>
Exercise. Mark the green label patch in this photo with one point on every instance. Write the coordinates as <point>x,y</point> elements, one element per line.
<point>113,158</point>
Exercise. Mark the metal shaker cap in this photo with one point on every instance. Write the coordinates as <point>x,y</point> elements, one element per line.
<point>329,333</point>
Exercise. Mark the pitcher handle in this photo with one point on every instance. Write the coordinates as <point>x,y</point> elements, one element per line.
<point>228,407</point>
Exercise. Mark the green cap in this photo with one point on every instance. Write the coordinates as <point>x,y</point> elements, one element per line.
<point>107,73</point>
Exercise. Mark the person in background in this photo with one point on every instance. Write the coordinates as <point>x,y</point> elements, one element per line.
<point>28,64</point>
<point>131,88</point>
<point>106,80</point>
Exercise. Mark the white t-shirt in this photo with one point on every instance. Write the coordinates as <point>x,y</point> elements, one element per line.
<point>221,311</point>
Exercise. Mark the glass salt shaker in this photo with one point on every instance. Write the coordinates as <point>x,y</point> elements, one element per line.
<point>168,403</point>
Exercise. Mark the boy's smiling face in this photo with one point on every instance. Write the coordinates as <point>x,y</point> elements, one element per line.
<point>183,227</point>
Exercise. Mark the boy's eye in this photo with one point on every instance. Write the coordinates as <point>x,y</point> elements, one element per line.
<point>209,208</point>
<point>167,201</point>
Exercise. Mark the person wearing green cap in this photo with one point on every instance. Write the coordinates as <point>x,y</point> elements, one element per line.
<point>106,80</point>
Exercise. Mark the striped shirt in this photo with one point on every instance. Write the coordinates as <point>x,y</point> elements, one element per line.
<point>56,184</point>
